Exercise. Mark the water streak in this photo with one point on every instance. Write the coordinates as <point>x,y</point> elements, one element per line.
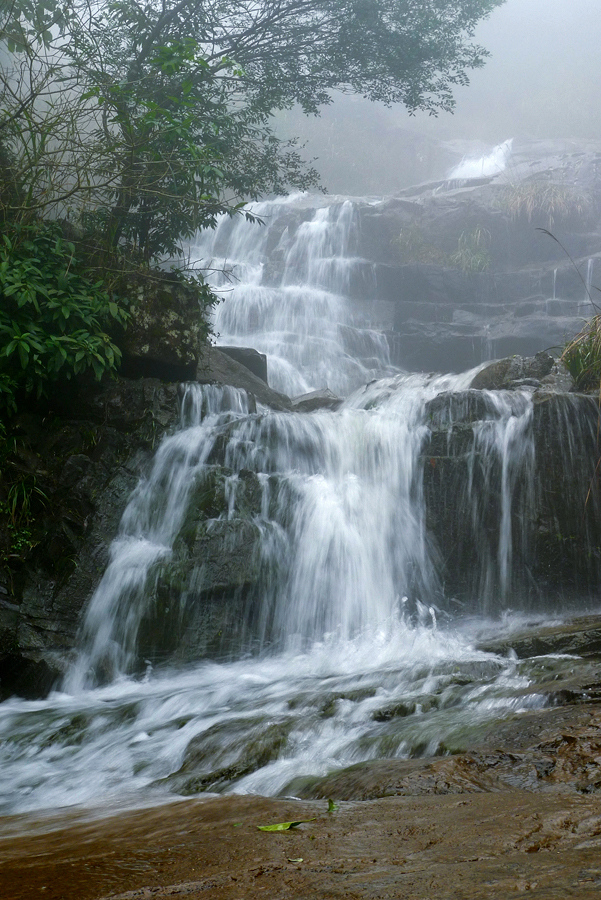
<point>486,166</point>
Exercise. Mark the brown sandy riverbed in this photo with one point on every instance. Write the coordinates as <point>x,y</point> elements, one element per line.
<point>493,845</point>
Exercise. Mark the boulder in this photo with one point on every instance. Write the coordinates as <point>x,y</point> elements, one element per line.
<point>254,361</point>
<point>514,372</point>
<point>217,367</point>
<point>323,399</point>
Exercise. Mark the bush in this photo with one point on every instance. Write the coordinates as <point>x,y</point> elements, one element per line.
<point>53,319</point>
<point>472,254</point>
<point>582,355</point>
<point>546,202</point>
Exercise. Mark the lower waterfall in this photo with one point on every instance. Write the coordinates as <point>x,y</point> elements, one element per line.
<point>349,645</point>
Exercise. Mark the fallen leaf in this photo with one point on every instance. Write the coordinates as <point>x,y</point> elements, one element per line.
<point>283,826</point>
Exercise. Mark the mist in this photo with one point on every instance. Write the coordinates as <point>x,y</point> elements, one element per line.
<point>542,81</point>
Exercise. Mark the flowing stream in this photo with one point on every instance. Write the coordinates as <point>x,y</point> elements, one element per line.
<point>354,651</point>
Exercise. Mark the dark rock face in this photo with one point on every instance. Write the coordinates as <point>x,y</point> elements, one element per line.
<point>85,457</point>
<point>554,536</point>
<point>254,361</point>
<point>164,333</point>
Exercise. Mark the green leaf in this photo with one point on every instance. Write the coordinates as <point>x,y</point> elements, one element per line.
<point>332,807</point>
<point>284,826</point>
<point>23,349</point>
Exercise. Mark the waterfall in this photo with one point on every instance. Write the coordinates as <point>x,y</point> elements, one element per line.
<point>286,293</point>
<point>344,613</point>
<point>149,524</point>
<point>487,166</point>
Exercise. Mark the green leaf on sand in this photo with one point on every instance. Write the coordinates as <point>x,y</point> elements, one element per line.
<point>283,826</point>
<point>332,807</point>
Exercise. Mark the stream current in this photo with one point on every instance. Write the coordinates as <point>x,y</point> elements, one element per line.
<point>356,653</point>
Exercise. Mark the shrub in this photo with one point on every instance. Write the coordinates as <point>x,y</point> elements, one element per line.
<point>53,319</point>
<point>472,254</point>
<point>582,355</point>
<point>544,201</point>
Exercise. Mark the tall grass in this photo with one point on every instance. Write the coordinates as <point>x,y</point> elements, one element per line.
<point>582,355</point>
<point>548,202</point>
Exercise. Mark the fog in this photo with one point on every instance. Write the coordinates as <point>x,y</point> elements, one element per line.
<point>543,80</point>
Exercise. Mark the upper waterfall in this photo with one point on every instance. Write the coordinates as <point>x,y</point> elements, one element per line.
<point>285,286</point>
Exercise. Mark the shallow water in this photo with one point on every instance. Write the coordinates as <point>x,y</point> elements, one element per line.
<point>420,689</point>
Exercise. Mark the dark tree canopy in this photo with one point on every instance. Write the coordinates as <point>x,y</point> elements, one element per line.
<point>148,120</point>
<point>296,51</point>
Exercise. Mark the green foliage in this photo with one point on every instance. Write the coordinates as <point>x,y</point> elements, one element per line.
<point>150,120</point>
<point>472,254</point>
<point>53,318</point>
<point>582,356</point>
<point>23,499</point>
<point>546,202</point>
<point>416,247</point>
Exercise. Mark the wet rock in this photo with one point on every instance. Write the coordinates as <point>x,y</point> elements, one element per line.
<point>223,754</point>
<point>29,678</point>
<point>392,778</point>
<point>216,367</point>
<point>556,506</point>
<point>580,636</point>
<point>558,379</point>
<point>514,372</point>
<point>567,761</point>
<point>314,400</point>
<point>203,598</point>
<point>254,361</point>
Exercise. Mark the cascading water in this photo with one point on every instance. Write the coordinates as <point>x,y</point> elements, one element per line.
<point>487,166</point>
<point>348,617</point>
<point>293,305</point>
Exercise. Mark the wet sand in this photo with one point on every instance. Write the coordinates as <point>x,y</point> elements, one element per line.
<point>493,845</point>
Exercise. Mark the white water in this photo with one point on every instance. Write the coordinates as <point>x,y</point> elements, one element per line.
<point>296,311</point>
<point>353,619</point>
<point>487,166</point>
